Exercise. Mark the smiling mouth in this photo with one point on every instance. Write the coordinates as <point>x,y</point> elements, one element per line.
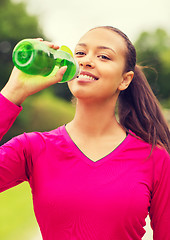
<point>87,76</point>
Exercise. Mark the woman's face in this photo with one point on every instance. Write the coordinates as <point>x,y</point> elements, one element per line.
<point>101,57</point>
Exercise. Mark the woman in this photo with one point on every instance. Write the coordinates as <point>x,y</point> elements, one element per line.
<point>94,178</point>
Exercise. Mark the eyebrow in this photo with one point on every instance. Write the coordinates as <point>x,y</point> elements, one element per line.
<point>98,47</point>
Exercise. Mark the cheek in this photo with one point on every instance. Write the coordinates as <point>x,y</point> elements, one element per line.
<point>112,70</point>
<point>112,78</point>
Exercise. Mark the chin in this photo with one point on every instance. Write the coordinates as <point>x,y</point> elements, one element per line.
<point>80,93</point>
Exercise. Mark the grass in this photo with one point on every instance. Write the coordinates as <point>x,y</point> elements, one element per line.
<point>17,220</point>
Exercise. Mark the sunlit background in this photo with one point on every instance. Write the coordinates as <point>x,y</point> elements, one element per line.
<point>147,24</point>
<point>65,21</point>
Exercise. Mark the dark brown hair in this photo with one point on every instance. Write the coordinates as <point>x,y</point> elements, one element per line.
<point>138,107</point>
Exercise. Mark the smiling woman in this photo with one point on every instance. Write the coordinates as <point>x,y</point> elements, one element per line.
<point>100,55</point>
<point>95,177</point>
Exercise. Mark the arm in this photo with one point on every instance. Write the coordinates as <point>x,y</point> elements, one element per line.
<point>12,154</point>
<point>15,160</point>
<point>160,202</point>
<point>18,154</point>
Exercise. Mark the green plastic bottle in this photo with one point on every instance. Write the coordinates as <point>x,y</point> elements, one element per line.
<point>34,57</point>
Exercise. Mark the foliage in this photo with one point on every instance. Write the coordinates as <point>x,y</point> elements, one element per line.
<point>166,103</point>
<point>15,24</point>
<point>153,50</point>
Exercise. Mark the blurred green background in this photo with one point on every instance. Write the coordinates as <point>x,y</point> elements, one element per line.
<point>51,108</point>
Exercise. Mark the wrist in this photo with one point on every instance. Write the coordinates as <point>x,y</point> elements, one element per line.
<point>15,96</point>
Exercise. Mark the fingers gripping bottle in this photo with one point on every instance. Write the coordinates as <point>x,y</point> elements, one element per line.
<point>34,57</point>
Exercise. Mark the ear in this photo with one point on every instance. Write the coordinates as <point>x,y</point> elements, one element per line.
<point>126,80</point>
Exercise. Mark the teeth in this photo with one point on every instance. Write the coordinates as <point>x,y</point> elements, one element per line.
<point>86,76</point>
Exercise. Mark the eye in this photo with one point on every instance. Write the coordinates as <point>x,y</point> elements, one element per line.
<point>79,53</point>
<point>104,57</point>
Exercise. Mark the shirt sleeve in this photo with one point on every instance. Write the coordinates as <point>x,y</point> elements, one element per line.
<point>160,202</point>
<point>15,162</point>
<point>13,154</point>
<point>8,113</point>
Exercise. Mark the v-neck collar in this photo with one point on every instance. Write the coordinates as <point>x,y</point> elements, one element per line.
<point>89,161</point>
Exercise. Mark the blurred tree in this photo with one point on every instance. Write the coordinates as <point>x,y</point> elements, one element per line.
<point>15,24</point>
<point>153,50</point>
<point>62,91</point>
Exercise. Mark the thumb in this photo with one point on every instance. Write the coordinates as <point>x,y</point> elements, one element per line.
<point>60,73</point>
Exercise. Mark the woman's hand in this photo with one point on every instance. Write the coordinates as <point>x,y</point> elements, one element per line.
<point>21,85</point>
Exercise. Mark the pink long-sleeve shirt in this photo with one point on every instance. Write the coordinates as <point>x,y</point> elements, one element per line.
<point>77,199</point>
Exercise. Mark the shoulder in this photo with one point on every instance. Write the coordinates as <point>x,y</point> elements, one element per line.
<point>43,137</point>
<point>137,144</point>
<point>161,162</point>
<point>39,141</point>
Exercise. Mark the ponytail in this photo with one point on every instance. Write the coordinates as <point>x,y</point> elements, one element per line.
<point>140,112</point>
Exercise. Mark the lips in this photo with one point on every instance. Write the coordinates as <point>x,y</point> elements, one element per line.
<point>87,75</point>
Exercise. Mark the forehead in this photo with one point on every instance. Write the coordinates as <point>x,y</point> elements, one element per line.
<point>104,37</point>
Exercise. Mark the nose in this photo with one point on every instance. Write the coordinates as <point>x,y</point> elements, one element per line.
<point>86,62</point>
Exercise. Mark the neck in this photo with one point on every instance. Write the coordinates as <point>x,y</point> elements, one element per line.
<point>95,119</point>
